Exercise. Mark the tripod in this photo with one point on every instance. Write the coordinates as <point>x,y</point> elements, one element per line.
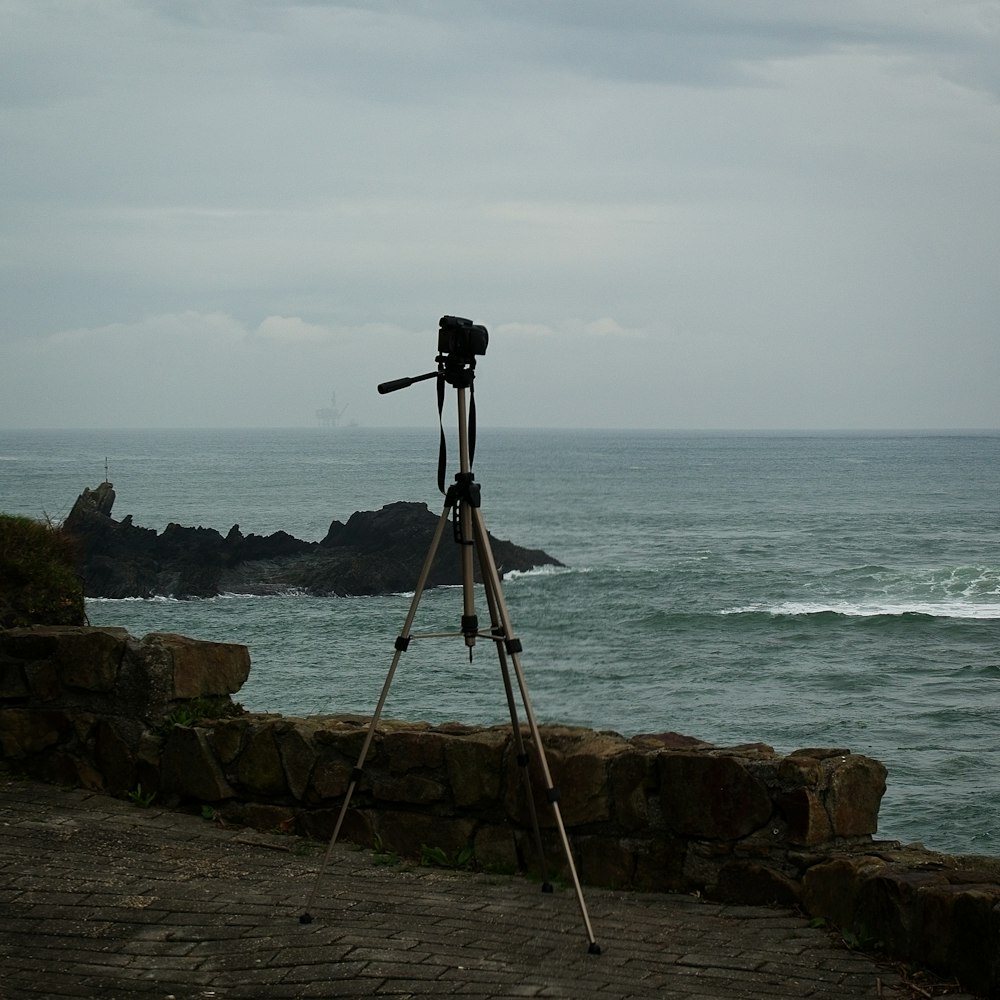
<point>462,503</point>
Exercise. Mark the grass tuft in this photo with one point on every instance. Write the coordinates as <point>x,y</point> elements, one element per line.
<point>39,580</point>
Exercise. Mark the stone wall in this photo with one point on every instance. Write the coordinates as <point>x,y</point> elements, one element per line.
<point>99,708</point>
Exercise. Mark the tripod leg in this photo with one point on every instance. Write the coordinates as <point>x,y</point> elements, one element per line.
<point>513,647</point>
<point>402,642</point>
<point>515,724</point>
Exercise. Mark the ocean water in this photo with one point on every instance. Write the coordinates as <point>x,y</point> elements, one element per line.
<point>794,589</point>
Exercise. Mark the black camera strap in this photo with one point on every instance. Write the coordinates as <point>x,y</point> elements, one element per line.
<point>472,423</point>
<point>443,445</point>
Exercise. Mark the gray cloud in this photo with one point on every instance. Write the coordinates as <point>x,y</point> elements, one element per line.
<point>670,214</point>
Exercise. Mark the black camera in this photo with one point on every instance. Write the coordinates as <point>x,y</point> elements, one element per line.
<point>461,337</point>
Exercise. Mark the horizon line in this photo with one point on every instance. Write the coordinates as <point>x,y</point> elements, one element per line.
<point>509,427</point>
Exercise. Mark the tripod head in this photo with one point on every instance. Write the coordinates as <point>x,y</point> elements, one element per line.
<point>459,342</point>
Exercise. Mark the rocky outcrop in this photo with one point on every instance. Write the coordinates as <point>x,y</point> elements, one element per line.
<point>375,552</point>
<point>154,717</point>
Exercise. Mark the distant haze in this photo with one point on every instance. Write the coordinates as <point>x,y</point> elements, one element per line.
<point>688,214</point>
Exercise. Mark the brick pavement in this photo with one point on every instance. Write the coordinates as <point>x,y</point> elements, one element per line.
<point>100,898</point>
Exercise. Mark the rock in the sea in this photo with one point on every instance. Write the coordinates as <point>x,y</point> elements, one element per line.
<point>375,552</point>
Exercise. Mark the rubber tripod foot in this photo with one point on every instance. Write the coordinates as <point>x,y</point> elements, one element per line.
<point>595,948</point>
<point>306,918</point>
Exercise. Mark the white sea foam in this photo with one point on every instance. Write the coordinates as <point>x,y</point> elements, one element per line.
<point>513,574</point>
<point>157,599</point>
<point>871,609</point>
<point>289,592</point>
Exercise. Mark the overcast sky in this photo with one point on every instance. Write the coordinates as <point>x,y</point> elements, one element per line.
<point>669,213</point>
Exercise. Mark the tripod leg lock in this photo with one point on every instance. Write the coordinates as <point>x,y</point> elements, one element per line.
<point>402,643</point>
<point>457,531</point>
<point>357,774</point>
<point>522,760</point>
<point>513,645</point>
<point>553,794</point>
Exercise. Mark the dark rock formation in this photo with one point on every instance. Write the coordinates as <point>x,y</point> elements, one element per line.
<point>375,552</point>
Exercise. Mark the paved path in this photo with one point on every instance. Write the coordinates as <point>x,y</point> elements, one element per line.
<point>100,898</point>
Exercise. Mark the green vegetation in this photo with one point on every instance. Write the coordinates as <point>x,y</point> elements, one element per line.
<point>859,939</point>
<point>437,857</point>
<point>430,857</point>
<point>140,798</point>
<point>39,581</point>
<point>382,855</point>
<point>199,709</point>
